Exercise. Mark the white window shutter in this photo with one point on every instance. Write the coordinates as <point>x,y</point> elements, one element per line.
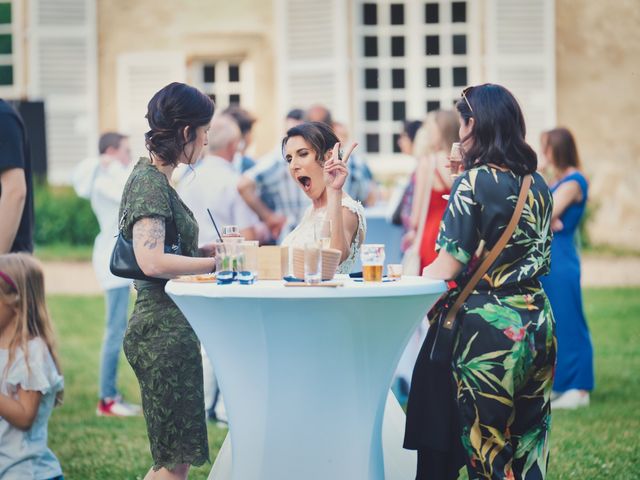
<point>521,56</point>
<point>139,76</point>
<point>312,54</point>
<point>63,66</point>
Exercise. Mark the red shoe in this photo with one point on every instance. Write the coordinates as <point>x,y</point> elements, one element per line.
<point>109,407</point>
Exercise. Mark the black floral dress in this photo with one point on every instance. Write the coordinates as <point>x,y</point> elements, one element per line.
<point>160,345</point>
<point>503,361</point>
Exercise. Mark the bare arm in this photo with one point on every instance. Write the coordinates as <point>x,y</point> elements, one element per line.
<point>344,224</point>
<point>565,195</point>
<point>14,193</point>
<point>148,246</point>
<point>444,267</point>
<point>22,412</point>
<point>247,190</point>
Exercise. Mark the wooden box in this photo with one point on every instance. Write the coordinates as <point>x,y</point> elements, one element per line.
<point>273,262</point>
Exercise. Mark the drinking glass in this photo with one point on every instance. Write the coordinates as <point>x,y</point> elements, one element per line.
<point>394,271</point>
<point>313,262</point>
<point>224,257</point>
<point>249,260</point>
<point>372,258</point>
<point>455,159</point>
<point>322,232</point>
<point>230,231</point>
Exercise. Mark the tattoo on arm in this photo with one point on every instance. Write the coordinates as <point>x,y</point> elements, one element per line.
<point>149,232</point>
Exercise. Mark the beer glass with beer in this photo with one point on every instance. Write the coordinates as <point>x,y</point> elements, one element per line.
<point>372,258</point>
<point>455,159</point>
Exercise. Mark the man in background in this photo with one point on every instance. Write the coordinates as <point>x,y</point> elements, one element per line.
<point>242,162</point>
<point>16,188</point>
<point>211,184</point>
<point>102,181</point>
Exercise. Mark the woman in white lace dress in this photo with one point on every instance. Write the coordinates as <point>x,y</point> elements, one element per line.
<point>312,151</point>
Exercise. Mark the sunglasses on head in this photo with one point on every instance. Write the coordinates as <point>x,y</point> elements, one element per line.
<point>464,95</point>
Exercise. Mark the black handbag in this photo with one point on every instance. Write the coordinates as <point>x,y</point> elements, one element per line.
<point>446,310</point>
<point>123,261</point>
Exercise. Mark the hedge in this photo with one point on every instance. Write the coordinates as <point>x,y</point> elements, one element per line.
<point>61,217</point>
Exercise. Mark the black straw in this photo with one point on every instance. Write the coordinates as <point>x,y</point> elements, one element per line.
<point>214,224</point>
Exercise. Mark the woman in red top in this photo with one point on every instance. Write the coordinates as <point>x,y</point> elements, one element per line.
<point>432,146</point>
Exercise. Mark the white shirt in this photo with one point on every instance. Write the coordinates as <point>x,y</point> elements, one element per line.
<point>25,455</point>
<point>103,185</point>
<point>213,184</point>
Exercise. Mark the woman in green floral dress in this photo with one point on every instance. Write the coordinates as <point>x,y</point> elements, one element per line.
<point>160,345</point>
<point>503,360</point>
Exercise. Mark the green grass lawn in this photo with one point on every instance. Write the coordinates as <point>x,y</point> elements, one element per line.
<point>602,441</point>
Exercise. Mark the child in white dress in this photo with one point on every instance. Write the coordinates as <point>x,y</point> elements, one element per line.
<point>30,379</point>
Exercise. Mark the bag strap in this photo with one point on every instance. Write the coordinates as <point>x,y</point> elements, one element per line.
<point>492,256</point>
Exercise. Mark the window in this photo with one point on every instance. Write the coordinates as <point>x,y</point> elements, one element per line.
<point>432,43</point>
<point>433,105</point>
<point>397,46</point>
<point>433,77</point>
<point>370,46</point>
<point>431,13</point>
<point>7,53</point>
<point>370,13</point>
<point>459,44</point>
<point>410,57</point>
<point>399,111</point>
<point>372,111</point>
<point>458,12</point>
<point>373,142</point>
<point>397,78</point>
<point>397,14</point>
<point>221,80</point>
<point>459,76</point>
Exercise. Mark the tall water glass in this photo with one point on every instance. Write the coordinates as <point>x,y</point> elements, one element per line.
<point>313,262</point>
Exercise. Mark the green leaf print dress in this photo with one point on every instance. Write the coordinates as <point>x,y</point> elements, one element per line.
<point>160,345</point>
<point>503,360</point>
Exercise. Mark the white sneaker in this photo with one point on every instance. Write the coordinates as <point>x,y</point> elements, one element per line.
<point>571,399</point>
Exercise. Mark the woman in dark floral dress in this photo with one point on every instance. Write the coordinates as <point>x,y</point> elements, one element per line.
<point>496,397</point>
<point>160,345</point>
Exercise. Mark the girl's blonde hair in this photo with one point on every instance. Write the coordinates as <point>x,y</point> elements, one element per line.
<point>26,296</point>
<point>447,123</point>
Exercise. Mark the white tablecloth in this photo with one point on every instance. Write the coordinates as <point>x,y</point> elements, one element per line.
<point>305,374</point>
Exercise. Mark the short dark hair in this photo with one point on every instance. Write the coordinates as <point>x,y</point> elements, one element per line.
<point>411,127</point>
<point>242,117</point>
<point>110,140</point>
<point>317,134</point>
<point>170,110</point>
<point>296,114</point>
<point>498,132</point>
<point>563,148</point>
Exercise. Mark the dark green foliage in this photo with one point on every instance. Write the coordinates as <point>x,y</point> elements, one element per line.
<point>63,217</point>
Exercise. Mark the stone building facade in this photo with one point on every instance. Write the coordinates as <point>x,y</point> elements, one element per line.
<point>574,63</point>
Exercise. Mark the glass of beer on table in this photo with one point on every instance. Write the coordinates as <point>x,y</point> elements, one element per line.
<point>372,258</point>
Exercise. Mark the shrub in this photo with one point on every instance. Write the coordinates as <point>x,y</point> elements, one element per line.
<point>61,217</point>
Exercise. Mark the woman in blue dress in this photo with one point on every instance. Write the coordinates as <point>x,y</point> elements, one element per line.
<point>574,369</point>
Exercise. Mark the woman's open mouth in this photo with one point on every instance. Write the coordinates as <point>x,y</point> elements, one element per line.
<point>305,182</point>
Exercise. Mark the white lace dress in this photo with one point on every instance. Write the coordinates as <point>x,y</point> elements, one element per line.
<point>305,231</point>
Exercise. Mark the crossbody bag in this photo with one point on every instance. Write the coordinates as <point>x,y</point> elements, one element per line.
<point>123,261</point>
<point>442,350</point>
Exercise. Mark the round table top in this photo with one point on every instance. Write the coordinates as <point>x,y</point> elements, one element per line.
<point>269,289</point>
